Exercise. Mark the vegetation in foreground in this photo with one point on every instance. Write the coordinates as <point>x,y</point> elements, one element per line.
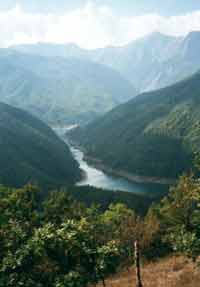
<point>59,242</point>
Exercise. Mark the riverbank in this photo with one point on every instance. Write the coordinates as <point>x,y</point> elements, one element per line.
<point>129,176</point>
<point>135,178</point>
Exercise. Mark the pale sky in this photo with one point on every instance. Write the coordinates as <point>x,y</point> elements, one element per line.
<point>94,24</point>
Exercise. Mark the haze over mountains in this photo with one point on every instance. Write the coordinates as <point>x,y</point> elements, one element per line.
<point>67,84</point>
<point>58,89</point>
<point>150,63</point>
<point>155,134</point>
<point>31,152</point>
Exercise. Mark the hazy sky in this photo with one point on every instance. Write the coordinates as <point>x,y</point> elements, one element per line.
<point>94,23</point>
<point>125,7</point>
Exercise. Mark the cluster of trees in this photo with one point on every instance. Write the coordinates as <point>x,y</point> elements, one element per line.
<point>58,241</point>
<point>55,242</point>
<point>138,202</point>
<point>179,215</point>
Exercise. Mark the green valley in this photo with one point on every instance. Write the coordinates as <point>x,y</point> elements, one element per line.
<point>155,134</point>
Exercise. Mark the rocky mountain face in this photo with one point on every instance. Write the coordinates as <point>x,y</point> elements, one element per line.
<point>150,63</point>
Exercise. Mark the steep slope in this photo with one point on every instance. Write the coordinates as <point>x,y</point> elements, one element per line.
<point>60,90</point>
<point>141,60</point>
<point>152,135</point>
<point>31,152</point>
<point>152,62</point>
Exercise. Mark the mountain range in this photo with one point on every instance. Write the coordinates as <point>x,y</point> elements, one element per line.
<point>31,152</point>
<point>60,90</point>
<point>149,63</point>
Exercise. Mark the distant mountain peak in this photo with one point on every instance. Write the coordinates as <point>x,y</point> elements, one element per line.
<point>156,35</point>
<point>191,45</point>
<point>195,33</point>
<point>193,37</point>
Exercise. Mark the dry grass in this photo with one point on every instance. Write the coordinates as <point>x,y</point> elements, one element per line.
<point>171,272</point>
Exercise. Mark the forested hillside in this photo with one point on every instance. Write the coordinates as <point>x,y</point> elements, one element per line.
<point>31,152</point>
<point>154,134</point>
<point>60,90</point>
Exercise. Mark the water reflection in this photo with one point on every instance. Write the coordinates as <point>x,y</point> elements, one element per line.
<point>97,178</point>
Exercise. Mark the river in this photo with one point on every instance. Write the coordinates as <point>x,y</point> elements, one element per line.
<point>100,179</point>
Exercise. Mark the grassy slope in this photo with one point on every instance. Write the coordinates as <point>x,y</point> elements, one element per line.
<point>169,272</point>
<point>153,134</point>
<point>30,151</point>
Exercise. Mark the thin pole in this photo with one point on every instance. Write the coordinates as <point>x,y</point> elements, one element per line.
<point>137,265</point>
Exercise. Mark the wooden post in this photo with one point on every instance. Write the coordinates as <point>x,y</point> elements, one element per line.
<point>104,282</point>
<point>137,265</point>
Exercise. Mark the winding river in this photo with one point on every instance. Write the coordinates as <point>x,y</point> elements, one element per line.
<point>100,179</point>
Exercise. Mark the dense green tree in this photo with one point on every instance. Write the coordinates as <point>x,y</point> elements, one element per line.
<point>52,242</point>
<point>60,206</point>
<point>179,215</point>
